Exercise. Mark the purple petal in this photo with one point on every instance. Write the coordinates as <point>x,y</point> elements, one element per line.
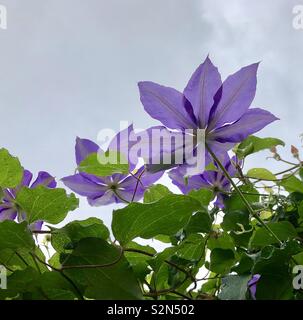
<point>219,201</point>
<point>219,148</point>
<point>44,179</point>
<point>201,89</point>
<point>252,285</point>
<point>99,180</point>
<point>9,195</point>
<point>122,143</point>
<point>166,105</point>
<point>8,214</point>
<point>144,179</point>
<point>238,92</point>
<point>106,198</point>
<point>83,148</point>
<point>84,186</point>
<point>27,178</point>
<point>159,140</point>
<point>194,182</point>
<point>36,225</point>
<point>231,165</point>
<point>252,121</point>
<point>128,194</point>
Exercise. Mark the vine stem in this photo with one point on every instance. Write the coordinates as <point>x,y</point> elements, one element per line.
<point>119,197</point>
<point>245,201</point>
<point>187,273</point>
<point>137,184</point>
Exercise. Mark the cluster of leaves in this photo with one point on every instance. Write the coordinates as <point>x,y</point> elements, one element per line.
<point>227,246</point>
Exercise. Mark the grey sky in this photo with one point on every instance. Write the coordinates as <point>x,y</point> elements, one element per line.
<point>70,67</point>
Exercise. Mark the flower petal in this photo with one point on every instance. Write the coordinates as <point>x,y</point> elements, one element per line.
<point>84,186</point>
<point>83,148</point>
<point>166,105</point>
<point>201,89</point>
<point>45,179</point>
<point>27,178</point>
<point>36,225</point>
<point>123,142</point>
<point>252,285</point>
<point>8,214</point>
<point>106,198</point>
<point>252,121</point>
<point>194,182</point>
<point>145,179</point>
<point>238,92</point>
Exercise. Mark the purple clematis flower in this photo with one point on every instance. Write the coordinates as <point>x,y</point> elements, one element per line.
<point>8,208</point>
<point>118,188</point>
<point>252,285</point>
<point>214,180</point>
<point>221,109</point>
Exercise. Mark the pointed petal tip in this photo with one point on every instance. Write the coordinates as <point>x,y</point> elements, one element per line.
<point>142,84</point>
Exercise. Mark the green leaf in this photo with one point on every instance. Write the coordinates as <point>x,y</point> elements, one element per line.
<point>94,164</point>
<point>205,196</point>
<point>15,236</point>
<point>222,241</point>
<point>56,287</point>
<point>139,261</point>
<point>189,253</point>
<point>192,248</point>
<point>234,287</point>
<point>21,258</point>
<point>49,205</point>
<point>235,203</point>
<point>106,283</point>
<point>245,264</point>
<point>273,266</point>
<point>200,222</point>
<point>21,285</point>
<point>167,216</point>
<point>299,258</point>
<point>155,193</point>
<point>300,209</point>
<point>254,144</point>
<point>242,238</point>
<point>235,220</point>
<point>11,172</point>
<point>261,174</point>
<point>275,260</point>
<point>284,230</point>
<point>211,167</point>
<point>75,231</point>
<point>291,184</point>
<point>163,238</point>
<point>221,260</point>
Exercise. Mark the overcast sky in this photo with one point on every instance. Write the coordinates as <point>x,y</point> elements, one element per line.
<point>70,68</point>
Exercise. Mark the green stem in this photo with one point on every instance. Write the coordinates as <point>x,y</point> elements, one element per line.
<point>247,204</point>
<point>61,272</point>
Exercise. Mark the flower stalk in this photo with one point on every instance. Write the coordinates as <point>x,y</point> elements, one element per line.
<point>238,190</point>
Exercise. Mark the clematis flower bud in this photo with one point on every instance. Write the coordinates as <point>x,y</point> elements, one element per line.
<point>295,151</point>
<point>275,153</point>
